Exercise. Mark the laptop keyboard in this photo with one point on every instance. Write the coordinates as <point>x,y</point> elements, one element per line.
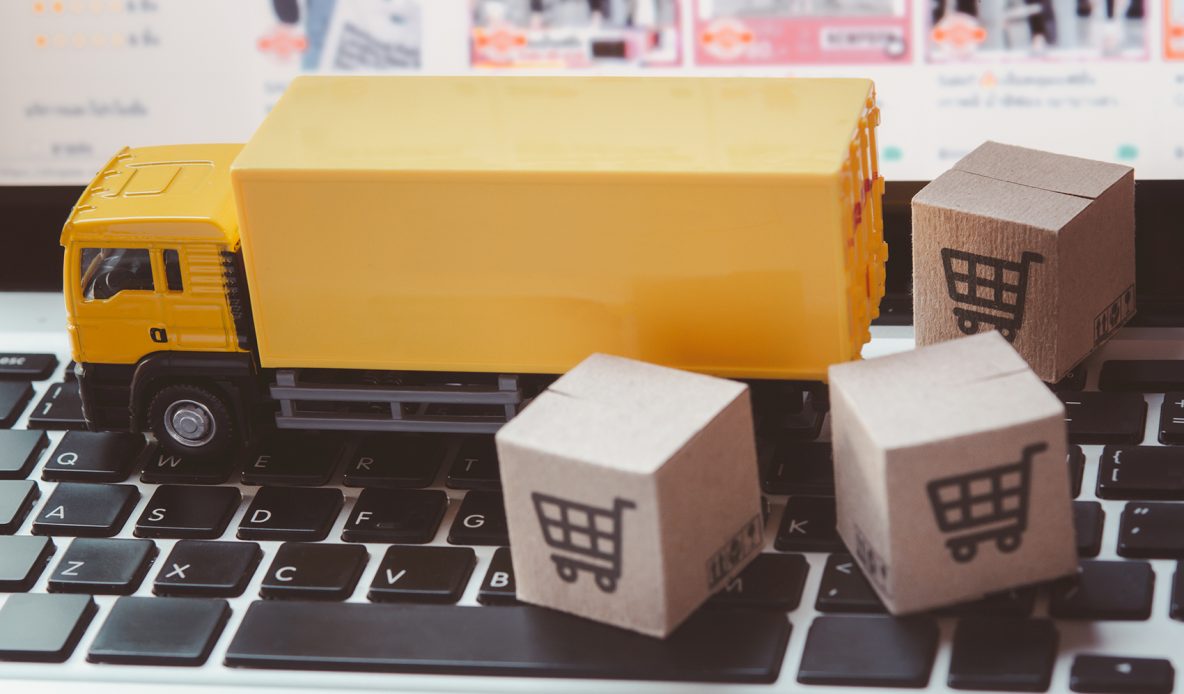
<point>319,551</point>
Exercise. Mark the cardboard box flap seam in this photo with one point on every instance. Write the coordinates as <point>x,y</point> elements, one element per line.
<point>996,376</point>
<point>951,363</point>
<point>973,427</point>
<point>634,423</point>
<point>986,201</point>
<point>964,387</point>
<point>1056,173</point>
<point>1046,189</point>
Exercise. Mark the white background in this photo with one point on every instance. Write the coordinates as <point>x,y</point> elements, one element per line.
<point>112,73</point>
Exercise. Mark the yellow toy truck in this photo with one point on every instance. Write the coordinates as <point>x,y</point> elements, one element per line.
<point>421,253</point>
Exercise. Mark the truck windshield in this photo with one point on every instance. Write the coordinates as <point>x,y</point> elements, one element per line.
<point>108,271</point>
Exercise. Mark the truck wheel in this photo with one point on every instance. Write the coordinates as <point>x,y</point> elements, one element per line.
<point>191,421</point>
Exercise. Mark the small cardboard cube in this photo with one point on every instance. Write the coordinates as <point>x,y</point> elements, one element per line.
<point>1038,246</point>
<point>631,492</point>
<point>950,475</point>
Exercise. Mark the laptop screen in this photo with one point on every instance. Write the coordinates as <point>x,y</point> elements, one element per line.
<point>1093,78</point>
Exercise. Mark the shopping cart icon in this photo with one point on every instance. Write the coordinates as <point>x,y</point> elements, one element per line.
<point>588,538</point>
<point>990,504</point>
<point>992,290</point>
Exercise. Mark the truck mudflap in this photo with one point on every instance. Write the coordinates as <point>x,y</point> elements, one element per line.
<point>105,393</point>
<point>447,406</point>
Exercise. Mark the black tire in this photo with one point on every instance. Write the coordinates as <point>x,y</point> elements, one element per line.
<point>220,440</point>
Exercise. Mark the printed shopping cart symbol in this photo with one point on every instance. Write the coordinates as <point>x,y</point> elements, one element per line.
<point>992,290</point>
<point>984,505</point>
<point>588,538</point>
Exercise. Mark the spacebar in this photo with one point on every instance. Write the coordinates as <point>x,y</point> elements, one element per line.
<point>713,646</point>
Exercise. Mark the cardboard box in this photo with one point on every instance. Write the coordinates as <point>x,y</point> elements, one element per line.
<point>1038,246</point>
<point>950,475</point>
<point>662,463</point>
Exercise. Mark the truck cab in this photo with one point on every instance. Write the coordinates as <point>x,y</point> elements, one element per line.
<point>150,278</point>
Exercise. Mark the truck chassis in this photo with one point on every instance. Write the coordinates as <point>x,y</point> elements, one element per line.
<point>395,408</point>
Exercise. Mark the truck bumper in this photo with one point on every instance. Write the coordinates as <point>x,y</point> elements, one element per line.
<point>105,391</point>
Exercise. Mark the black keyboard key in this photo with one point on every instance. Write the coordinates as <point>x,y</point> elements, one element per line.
<point>808,525</point>
<point>1073,382</point>
<point>1176,606</point>
<point>204,568</point>
<point>27,367</point>
<point>475,466</point>
<point>160,631</point>
<point>1104,417</point>
<point>1120,590</point>
<point>310,571</point>
<point>521,641</point>
<point>43,628</point>
<point>87,456</point>
<point>59,408</point>
<point>14,395</point>
<point>777,398</point>
<point>305,458</point>
<point>17,498</point>
<point>162,467</point>
<point>19,451</point>
<point>1171,418</point>
<point>800,467</point>
<point>790,411</point>
<point>1151,530</point>
<point>404,516</point>
<point>844,588</point>
<point>396,462</point>
<point>481,520</point>
<point>1141,472</point>
<point>1088,520</point>
<point>291,513</point>
<point>1010,603</point>
<point>86,510</point>
<point>498,587</point>
<point>22,560</point>
<point>1097,673</point>
<point>869,651</point>
<point>177,511</point>
<point>770,582</point>
<point>1142,376</point>
<point>1000,654</point>
<point>1076,469</point>
<point>802,426</point>
<point>102,566</point>
<point>423,574</point>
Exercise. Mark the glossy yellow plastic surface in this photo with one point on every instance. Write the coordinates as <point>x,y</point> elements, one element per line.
<point>155,198</point>
<point>517,224</point>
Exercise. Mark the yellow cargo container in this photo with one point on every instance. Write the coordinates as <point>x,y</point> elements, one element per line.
<point>378,230</point>
<point>515,225</point>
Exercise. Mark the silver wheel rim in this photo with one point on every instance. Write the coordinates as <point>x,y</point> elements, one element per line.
<point>189,423</point>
